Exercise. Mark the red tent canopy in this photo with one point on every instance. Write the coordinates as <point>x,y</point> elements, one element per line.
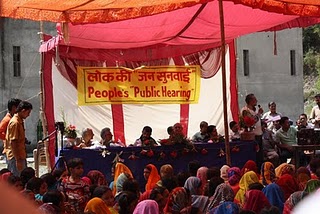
<point>101,11</point>
<point>169,34</point>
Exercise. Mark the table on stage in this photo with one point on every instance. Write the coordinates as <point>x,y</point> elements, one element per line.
<point>208,154</point>
<point>301,148</point>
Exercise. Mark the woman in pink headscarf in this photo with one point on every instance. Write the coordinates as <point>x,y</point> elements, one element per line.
<point>202,175</point>
<point>147,207</point>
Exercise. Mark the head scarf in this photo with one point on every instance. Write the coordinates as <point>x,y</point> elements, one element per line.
<point>178,199</point>
<point>312,185</point>
<point>224,172</point>
<point>303,176</point>
<point>154,177</point>
<point>200,202</point>
<point>96,177</point>
<point>97,206</point>
<point>256,201</point>
<point>275,195</point>
<point>247,179</point>
<point>284,168</point>
<point>166,171</point>
<point>120,168</point>
<point>147,207</point>
<point>119,184</point>
<point>268,174</point>
<point>202,175</point>
<point>193,184</point>
<point>227,207</point>
<point>250,165</point>
<point>234,176</point>
<point>288,185</point>
<point>223,193</point>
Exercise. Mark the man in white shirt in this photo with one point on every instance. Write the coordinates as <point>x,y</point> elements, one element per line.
<point>249,110</point>
<point>315,113</point>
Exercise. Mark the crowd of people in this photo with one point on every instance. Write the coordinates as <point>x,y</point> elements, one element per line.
<point>198,190</point>
<point>269,185</point>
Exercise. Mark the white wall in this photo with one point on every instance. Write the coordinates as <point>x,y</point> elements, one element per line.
<point>270,78</point>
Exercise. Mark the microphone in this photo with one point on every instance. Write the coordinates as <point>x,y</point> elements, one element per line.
<point>259,106</point>
<point>46,138</point>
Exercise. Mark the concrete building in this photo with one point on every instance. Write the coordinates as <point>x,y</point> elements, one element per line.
<point>271,67</point>
<point>270,77</point>
<point>19,67</point>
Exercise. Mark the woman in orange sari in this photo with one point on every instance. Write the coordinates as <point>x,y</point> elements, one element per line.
<point>152,176</point>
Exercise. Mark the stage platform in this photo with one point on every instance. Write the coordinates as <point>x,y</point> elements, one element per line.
<point>208,154</point>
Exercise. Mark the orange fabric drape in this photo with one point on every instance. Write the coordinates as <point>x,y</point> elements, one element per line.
<point>84,11</point>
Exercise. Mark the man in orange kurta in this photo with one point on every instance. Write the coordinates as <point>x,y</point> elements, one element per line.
<point>15,139</point>
<point>12,108</point>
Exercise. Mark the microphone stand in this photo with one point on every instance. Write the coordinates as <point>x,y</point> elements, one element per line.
<point>61,159</point>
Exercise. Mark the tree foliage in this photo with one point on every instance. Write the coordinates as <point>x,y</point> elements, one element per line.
<point>311,50</point>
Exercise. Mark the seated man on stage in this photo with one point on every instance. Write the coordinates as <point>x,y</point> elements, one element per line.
<point>235,131</point>
<point>214,137</point>
<point>201,136</point>
<point>302,122</point>
<point>177,136</point>
<point>86,140</point>
<point>270,151</point>
<point>285,137</point>
<point>145,139</point>
<point>107,140</point>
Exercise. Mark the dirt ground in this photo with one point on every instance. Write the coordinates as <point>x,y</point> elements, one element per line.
<point>42,169</point>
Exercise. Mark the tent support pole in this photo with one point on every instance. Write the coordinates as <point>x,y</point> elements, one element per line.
<point>224,90</point>
<point>42,115</point>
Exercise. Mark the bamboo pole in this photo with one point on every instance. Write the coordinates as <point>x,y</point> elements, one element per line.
<point>224,84</point>
<point>42,116</point>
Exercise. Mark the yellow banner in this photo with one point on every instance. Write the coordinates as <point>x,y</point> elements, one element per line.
<point>149,85</point>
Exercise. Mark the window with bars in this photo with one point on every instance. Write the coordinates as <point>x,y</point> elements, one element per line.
<point>16,61</point>
<point>246,62</point>
<point>293,71</point>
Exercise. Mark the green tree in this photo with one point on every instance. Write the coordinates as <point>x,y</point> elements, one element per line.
<point>311,48</point>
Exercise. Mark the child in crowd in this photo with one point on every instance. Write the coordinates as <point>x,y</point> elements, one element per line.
<point>74,187</point>
<point>26,175</point>
<point>38,187</point>
<point>59,174</point>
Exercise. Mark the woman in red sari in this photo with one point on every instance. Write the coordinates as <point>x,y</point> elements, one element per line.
<point>288,184</point>
<point>179,201</point>
<point>256,201</point>
<point>250,165</point>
